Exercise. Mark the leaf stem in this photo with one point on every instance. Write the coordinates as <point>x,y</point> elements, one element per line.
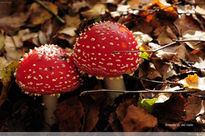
<point>47,8</point>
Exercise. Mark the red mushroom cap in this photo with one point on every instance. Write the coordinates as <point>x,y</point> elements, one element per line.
<point>47,69</point>
<point>93,50</point>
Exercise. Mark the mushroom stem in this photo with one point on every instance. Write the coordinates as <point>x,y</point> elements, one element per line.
<point>114,84</point>
<point>50,106</point>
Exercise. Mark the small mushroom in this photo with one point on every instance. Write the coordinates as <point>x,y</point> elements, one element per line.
<point>93,53</point>
<point>47,70</point>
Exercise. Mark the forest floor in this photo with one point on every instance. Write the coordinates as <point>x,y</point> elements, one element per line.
<point>165,94</point>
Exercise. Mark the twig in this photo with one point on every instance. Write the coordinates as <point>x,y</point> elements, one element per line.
<point>138,91</point>
<point>47,8</point>
<point>156,81</point>
<point>165,46</point>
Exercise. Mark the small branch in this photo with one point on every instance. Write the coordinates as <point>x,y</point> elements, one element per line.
<point>133,92</point>
<point>165,46</point>
<point>156,81</point>
<point>47,8</point>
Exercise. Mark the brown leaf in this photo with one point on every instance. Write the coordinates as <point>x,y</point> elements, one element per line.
<point>137,119</point>
<point>171,112</point>
<point>39,15</point>
<point>114,122</point>
<point>91,117</point>
<point>69,114</point>
<point>95,11</point>
<point>122,108</point>
<point>73,21</point>
<point>185,23</point>
<point>12,23</point>
<point>192,107</point>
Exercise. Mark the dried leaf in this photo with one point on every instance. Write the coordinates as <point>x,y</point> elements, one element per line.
<point>137,119</point>
<point>192,107</point>
<point>11,50</point>
<point>164,8</point>
<point>12,23</point>
<point>91,117</point>
<point>114,122</point>
<point>122,108</point>
<point>2,38</point>
<point>68,31</point>
<point>95,11</point>
<point>69,114</point>
<point>171,111</point>
<point>39,15</point>
<point>196,35</point>
<point>8,72</point>
<point>73,21</point>
<point>134,4</point>
<point>185,23</point>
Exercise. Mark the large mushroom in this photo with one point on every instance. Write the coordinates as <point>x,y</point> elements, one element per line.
<point>47,70</point>
<point>93,53</point>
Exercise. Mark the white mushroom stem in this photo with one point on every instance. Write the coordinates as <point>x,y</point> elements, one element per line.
<point>114,84</point>
<point>50,103</point>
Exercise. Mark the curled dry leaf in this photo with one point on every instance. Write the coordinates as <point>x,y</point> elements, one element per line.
<point>95,11</point>
<point>69,114</point>
<point>39,15</point>
<point>138,120</point>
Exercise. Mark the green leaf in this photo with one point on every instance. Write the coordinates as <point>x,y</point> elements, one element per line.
<point>146,103</point>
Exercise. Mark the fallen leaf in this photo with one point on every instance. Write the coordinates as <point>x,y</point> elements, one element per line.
<point>91,117</point>
<point>134,4</point>
<point>164,9</point>
<point>39,14</point>
<point>73,21</point>
<point>68,31</point>
<point>192,107</point>
<point>12,23</point>
<point>95,11</point>
<point>76,6</point>
<point>8,72</point>
<point>185,23</point>
<point>147,103</point>
<point>11,50</point>
<point>114,122</point>
<point>69,114</point>
<point>122,108</point>
<point>3,63</point>
<point>137,120</point>
<point>195,35</point>
<point>2,38</point>
<point>171,111</point>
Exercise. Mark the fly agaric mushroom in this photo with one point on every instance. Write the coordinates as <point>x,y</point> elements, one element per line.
<point>47,70</point>
<point>93,53</point>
